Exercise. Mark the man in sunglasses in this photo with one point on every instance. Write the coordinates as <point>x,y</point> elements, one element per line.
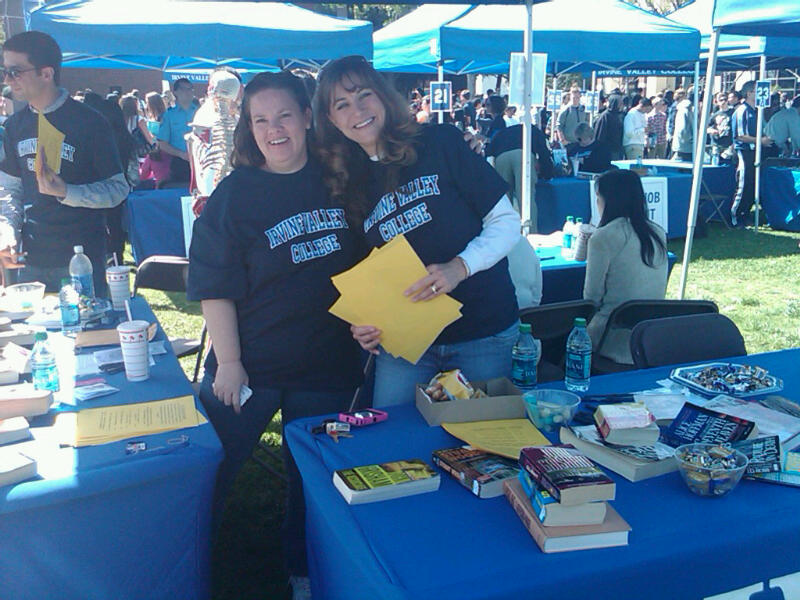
<point>46,209</point>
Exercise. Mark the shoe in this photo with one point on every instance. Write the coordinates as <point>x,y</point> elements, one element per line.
<point>301,587</point>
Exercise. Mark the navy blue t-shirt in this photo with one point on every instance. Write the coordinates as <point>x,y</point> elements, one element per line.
<point>439,205</point>
<point>744,122</point>
<point>88,154</point>
<point>271,243</point>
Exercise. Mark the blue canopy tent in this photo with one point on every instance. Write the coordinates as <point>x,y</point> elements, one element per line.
<point>582,36</point>
<point>780,18</point>
<point>154,34</point>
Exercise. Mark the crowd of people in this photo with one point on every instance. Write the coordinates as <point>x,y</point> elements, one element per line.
<point>296,179</point>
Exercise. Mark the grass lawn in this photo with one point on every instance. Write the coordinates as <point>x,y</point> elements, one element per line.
<point>753,278</point>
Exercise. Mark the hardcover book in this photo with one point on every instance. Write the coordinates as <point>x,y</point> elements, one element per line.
<point>613,531</point>
<point>567,474</point>
<point>480,472</point>
<point>371,483</point>
<point>696,424</point>
<point>552,513</point>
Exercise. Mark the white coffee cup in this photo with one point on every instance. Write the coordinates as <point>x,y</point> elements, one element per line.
<point>119,285</point>
<point>135,351</point>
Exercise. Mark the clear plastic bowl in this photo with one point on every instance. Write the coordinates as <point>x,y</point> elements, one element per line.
<point>24,296</point>
<point>705,481</point>
<point>550,409</point>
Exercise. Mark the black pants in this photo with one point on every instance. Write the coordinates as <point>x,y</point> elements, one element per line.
<point>240,434</point>
<point>745,186</point>
<point>179,170</point>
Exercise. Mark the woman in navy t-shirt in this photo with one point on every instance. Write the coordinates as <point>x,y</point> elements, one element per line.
<point>261,259</point>
<point>396,177</point>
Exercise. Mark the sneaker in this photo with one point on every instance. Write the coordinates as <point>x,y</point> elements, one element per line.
<point>301,587</point>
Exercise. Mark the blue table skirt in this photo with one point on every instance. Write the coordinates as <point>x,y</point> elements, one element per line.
<point>562,279</point>
<point>780,197</point>
<point>557,198</point>
<point>155,223</point>
<point>450,544</point>
<point>103,524</point>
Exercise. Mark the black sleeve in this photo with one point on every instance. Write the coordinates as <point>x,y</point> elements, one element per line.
<point>543,154</point>
<point>216,257</point>
<point>102,150</point>
<point>479,184</point>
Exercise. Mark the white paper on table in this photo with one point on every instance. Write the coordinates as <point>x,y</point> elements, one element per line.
<point>114,355</point>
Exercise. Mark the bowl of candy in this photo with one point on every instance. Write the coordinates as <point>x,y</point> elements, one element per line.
<point>24,296</point>
<point>550,409</point>
<point>710,470</point>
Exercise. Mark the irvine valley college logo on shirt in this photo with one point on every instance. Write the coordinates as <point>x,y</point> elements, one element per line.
<point>306,223</point>
<point>419,187</point>
<point>29,146</point>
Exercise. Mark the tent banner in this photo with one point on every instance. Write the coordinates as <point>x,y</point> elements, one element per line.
<point>517,79</point>
<point>645,72</point>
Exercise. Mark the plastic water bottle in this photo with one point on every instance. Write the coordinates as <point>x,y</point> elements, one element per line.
<point>715,156</point>
<point>81,272</point>
<point>68,300</point>
<point>43,364</point>
<point>524,357</point>
<point>567,235</point>
<point>579,358</point>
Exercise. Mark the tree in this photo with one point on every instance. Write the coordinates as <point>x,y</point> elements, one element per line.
<point>662,7</point>
<point>379,14</point>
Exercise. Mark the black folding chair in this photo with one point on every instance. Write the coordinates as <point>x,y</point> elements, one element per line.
<point>628,314</point>
<point>552,324</point>
<point>170,274</point>
<point>685,339</point>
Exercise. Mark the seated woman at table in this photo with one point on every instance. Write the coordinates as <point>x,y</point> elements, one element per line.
<point>397,177</point>
<point>593,155</point>
<point>262,255</point>
<point>626,260</point>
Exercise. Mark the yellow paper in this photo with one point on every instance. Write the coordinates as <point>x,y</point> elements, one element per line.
<point>505,437</point>
<point>112,423</point>
<point>50,140</point>
<point>372,294</point>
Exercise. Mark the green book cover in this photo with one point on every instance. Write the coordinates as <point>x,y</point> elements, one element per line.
<point>386,474</point>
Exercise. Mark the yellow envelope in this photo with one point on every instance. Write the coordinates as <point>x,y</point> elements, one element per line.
<point>372,294</point>
<point>50,141</point>
<point>505,437</point>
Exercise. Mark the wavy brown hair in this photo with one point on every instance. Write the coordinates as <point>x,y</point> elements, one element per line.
<point>245,149</point>
<point>345,162</point>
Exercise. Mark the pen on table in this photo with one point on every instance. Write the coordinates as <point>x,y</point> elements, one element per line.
<point>541,258</point>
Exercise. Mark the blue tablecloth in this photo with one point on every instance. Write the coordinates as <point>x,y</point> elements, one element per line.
<point>780,197</point>
<point>101,524</point>
<point>562,279</point>
<point>155,224</point>
<point>557,198</point>
<point>450,544</point>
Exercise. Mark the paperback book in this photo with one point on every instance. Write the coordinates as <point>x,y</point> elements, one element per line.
<point>371,483</point>
<point>788,474</point>
<point>14,430</point>
<point>480,472</point>
<point>696,424</point>
<point>613,531</point>
<point>626,423</point>
<point>768,421</point>
<point>567,474</point>
<point>15,466</point>
<point>553,513</point>
<point>764,454</point>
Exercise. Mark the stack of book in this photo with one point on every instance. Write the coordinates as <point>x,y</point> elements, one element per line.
<point>481,472</point>
<point>562,497</point>
<point>626,424</point>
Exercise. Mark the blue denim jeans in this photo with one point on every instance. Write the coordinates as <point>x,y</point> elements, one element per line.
<point>240,434</point>
<point>481,359</point>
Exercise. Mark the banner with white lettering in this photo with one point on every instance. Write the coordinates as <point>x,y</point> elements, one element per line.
<point>656,195</point>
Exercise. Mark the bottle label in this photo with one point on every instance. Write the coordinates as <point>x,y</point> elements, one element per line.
<point>579,364</point>
<point>566,240</point>
<point>523,372</point>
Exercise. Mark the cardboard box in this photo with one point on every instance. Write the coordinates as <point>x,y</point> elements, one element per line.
<point>504,402</point>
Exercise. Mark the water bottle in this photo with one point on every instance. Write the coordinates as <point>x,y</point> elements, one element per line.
<point>81,272</point>
<point>68,300</point>
<point>715,156</point>
<point>43,364</point>
<point>567,234</point>
<point>524,357</point>
<point>579,358</point>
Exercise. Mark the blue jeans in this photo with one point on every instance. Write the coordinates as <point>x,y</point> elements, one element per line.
<point>240,434</point>
<point>481,359</point>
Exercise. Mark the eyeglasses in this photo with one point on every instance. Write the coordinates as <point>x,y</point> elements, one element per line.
<point>15,72</point>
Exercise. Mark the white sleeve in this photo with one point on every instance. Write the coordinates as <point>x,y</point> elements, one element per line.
<point>106,193</point>
<point>12,213</point>
<point>501,227</point>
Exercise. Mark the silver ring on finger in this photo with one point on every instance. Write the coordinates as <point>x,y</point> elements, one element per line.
<point>433,288</point>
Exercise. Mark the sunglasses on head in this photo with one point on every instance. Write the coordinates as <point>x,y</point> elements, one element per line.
<point>15,72</point>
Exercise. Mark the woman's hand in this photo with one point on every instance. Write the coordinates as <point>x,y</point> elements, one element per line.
<point>441,279</point>
<point>228,383</point>
<point>367,336</point>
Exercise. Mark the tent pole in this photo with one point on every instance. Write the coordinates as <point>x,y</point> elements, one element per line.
<point>593,115</point>
<point>697,167</point>
<point>696,101</point>
<point>762,74</point>
<point>554,116</point>
<point>527,119</point>
<point>440,70</point>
